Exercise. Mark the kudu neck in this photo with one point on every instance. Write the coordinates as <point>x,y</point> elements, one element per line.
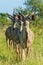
<point>21,27</point>
<point>27,26</point>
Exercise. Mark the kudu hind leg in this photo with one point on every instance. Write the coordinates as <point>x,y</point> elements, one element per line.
<point>20,52</point>
<point>23,54</point>
<point>8,43</point>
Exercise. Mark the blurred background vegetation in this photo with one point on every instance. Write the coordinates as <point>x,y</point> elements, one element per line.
<point>35,6</point>
<point>36,56</point>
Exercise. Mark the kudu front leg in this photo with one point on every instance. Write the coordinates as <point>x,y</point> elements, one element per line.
<point>17,52</point>
<point>21,53</point>
<point>28,49</point>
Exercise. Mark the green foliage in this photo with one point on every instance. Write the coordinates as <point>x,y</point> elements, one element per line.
<point>36,5</point>
<point>4,19</point>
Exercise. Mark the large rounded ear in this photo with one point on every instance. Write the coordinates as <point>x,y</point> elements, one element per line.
<point>22,16</point>
<point>28,17</point>
<point>11,17</point>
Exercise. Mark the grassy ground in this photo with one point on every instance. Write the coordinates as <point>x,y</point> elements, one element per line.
<point>7,57</point>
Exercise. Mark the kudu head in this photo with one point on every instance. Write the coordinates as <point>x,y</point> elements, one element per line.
<point>25,19</point>
<point>11,17</point>
<point>15,19</point>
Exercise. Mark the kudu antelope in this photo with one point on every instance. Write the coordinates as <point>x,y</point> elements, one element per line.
<point>12,31</point>
<point>8,31</point>
<point>26,37</point>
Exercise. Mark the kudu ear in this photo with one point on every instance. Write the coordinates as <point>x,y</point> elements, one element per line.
<point>28,17</point>
<point>22,16</point>
<point>11,17</point>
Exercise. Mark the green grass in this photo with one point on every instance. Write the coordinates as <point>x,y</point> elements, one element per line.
<point>7,57</point>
